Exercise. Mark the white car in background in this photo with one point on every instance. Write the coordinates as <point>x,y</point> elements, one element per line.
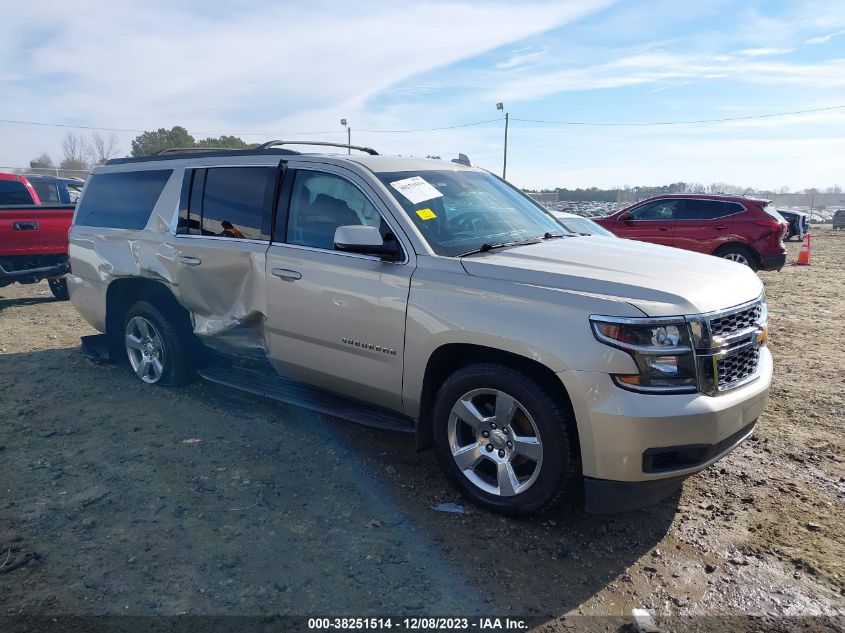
<point>580,225</point>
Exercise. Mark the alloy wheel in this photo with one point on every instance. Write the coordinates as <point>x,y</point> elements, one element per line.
<point>145,349</point>
<point>739,258</point>
<point>495,442</point>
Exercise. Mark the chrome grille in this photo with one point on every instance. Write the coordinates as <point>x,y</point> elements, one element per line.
<point>728,324</point>
<point>737,366</point>
<point>727,346</point>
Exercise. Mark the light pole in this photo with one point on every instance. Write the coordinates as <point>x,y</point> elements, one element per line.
<point>348,135</point>
<point>500,106</point>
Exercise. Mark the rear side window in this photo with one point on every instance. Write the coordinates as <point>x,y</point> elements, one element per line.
<point>709,209</point>
<point>122,200</point>
<point>237,202</point>
<point>14,192</point>
<point>47,191</point>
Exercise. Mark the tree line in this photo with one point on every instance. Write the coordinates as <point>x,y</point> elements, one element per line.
<point>82,152</point>
<point>627,193</point>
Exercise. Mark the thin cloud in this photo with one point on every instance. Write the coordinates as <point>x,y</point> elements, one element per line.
<point>823,39</point>
<point>521,57</point>
<point>763,52</point>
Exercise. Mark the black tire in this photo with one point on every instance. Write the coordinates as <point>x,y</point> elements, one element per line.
<point>559,472</point>
<point>59,288</point>
<point>732,251</point>
<point>175,358</point>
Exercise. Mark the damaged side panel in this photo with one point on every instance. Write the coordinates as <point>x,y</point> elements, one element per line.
<point>220,281</point>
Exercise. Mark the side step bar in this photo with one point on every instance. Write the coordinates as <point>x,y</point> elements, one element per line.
<point>271,385</point>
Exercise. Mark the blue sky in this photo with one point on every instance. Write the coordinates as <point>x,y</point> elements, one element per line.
<point>269,69</point>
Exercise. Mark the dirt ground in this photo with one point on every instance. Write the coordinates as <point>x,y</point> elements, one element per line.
<point>118,498</point>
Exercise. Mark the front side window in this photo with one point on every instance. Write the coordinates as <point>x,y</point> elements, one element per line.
<point>657,210</point>
<point>322,202</point>
<point>122,200</point>
<point>461,211</point>
<point>236,202</point>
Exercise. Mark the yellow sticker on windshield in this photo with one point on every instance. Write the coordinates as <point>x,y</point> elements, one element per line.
<point>426,214</point>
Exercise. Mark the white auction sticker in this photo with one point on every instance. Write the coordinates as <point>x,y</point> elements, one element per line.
<point>416,189</point>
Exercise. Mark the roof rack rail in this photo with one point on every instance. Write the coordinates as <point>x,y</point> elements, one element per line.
<point>185,150</point>
<point>269,144</point>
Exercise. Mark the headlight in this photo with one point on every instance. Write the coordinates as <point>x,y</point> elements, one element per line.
<point>661,348</point>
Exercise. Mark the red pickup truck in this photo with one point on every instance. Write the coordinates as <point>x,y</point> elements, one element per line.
<point>33,237</point>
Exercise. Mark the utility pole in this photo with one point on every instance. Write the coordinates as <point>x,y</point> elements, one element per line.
<point>500,106</point>
<point>348,135</point>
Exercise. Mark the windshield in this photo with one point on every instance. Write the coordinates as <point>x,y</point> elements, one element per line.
<point>462,211</point>
<point>584,226</point>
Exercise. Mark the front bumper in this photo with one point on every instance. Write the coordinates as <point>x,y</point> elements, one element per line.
<point>636,437</point>
<point>772,262</point>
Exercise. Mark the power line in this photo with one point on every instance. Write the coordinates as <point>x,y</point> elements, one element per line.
<point>266,134</point>
<point>75,127</point>
<point>656,123</point>
<point>434,129</point>
<point>454,127</point>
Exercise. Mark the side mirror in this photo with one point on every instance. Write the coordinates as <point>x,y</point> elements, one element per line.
<point>625,216</point>
<point>366,240</point>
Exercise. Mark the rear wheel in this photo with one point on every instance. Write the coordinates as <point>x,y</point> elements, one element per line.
<point>59,288</point>
<point>504,440</point>
<point>739,254</point>
<point>157,351</point>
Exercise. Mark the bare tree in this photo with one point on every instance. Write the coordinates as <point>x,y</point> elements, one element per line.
<point>100,148</point>
<point>73,154</point>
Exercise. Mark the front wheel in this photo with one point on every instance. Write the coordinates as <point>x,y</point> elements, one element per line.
<point>59,288</point>
<point>504,440</point>
<point>157,349</point>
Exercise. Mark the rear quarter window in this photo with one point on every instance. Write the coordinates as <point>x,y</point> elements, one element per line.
<point>122,200</point>
<point>48,192</point>
<point>710,209</point>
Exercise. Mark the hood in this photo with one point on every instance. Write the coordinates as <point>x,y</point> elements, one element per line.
<point>659,280</point>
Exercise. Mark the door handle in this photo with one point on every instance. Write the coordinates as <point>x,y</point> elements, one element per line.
<point>721,227</point>
<point>189,260</point>
<point>663,228</point>
<point>287,275</point>
<point>25,226</point>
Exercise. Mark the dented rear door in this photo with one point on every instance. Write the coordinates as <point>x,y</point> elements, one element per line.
<point>223,234</point>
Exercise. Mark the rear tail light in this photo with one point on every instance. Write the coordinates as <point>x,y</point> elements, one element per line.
<point>776,227</point>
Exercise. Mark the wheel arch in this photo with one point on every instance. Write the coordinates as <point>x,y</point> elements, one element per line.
<point>122,293</point>
<point>450,357</point>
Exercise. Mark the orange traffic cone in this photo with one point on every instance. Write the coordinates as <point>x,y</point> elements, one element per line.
<point>804,253</point>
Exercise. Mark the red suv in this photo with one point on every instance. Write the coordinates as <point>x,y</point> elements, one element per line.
<point>744,230</point>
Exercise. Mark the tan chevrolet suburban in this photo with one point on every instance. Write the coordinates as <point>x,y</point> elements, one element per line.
<point>429,297</point>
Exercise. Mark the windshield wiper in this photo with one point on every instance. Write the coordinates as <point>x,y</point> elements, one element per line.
<point>489,246</point>
<point>550,236</point>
